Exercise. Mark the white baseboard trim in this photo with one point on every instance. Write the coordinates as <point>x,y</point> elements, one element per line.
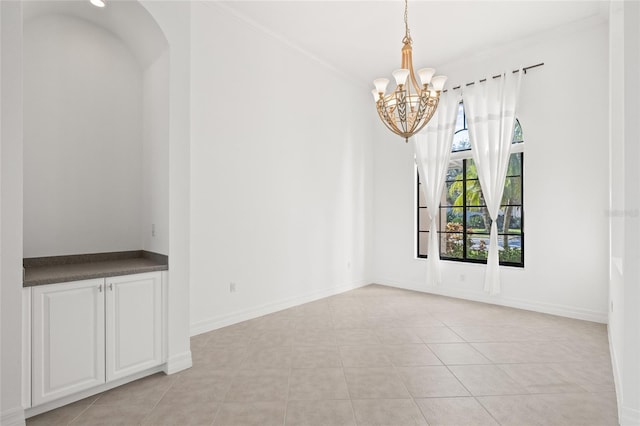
<point>215,323</point>
<point>629,416</point>
<point>178,363</point>
<point>545,308</point>
<point>617,378</point>
<point>12,417</point>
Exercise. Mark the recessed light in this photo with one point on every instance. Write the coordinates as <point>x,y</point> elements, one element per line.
<point>97,3</point>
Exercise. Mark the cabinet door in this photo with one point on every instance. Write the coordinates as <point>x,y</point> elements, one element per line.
<point>134,323</point>
<point>68,339</point>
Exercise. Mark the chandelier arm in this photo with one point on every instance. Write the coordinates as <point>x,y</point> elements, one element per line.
<point>428,118</point>
<point>414,81</point>
<point>415,114</point>
<point>424,113</point>
<point>411,118</point>
<point>431,107</point>
<point>407,63</point>
<point>392,128</point>
<point>422,106</point>
<point>383,112</point>
<point>401,107</point>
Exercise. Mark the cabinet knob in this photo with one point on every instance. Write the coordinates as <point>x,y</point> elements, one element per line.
<point>100,288</point>
<point>111,286</point>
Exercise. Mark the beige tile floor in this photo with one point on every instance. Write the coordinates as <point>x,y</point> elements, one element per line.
<point>376,356</point>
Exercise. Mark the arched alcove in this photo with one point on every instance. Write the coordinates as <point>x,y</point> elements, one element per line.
<point>96,129</point>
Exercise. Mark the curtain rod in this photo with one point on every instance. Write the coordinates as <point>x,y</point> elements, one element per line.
<point>525,69</point>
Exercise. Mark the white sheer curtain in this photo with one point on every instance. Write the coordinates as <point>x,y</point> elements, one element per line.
<point>490,108</point>
<point>433,148</point>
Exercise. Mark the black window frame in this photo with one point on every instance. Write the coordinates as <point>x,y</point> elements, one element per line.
<point>465,230</point>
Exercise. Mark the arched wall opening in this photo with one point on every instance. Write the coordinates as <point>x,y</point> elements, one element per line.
<point>158,36</point>
<point>96,129</point>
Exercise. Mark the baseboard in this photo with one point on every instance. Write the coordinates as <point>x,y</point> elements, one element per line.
<point>629,417</point>
<point>235,317</point>
<point>12,417</point>
<point>617,378</point>
<point>545,308</point>
<point>178,363</point>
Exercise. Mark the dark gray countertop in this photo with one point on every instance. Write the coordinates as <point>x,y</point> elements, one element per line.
<point>58,269</point>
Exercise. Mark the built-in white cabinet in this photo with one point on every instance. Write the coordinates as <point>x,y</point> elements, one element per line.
<point>134,324</point>
<point>67,339</point>
<point>88,333</point>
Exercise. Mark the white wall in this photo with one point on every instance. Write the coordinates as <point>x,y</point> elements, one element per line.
<point>563,112</point>
<point>82,141</point>
<point>617,184</point>
<point>624,294</point>
<point>280,173</point>
<point>155,156</point>
<point>174,19</point>
<point>11,412</point>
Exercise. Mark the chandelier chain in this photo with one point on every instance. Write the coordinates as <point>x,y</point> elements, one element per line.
<point>407,33</point>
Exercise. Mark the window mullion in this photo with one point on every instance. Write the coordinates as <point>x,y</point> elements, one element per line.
<point>464,209</point>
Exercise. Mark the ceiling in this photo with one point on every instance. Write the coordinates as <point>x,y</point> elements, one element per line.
<point>363,39</point>
<point>128,20</point>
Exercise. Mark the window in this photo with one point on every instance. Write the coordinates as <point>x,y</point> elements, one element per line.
<point>464,223</point>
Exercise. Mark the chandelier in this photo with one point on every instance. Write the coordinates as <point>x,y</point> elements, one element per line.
<point>407,109</point>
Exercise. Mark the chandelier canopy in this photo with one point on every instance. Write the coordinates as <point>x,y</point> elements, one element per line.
<point>407,109</point>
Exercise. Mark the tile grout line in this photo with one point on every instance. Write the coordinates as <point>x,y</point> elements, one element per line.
<point>158,401</point>
<point>224,397</point>
<point>466,388</point>
<point>82,412</point>
<point>233,377</point>
<point>413,400</point>
<point>286,401</point>
<point>344,375</point>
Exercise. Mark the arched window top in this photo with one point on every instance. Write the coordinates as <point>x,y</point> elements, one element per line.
<point>517,133</point>
<point>461,136</point>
